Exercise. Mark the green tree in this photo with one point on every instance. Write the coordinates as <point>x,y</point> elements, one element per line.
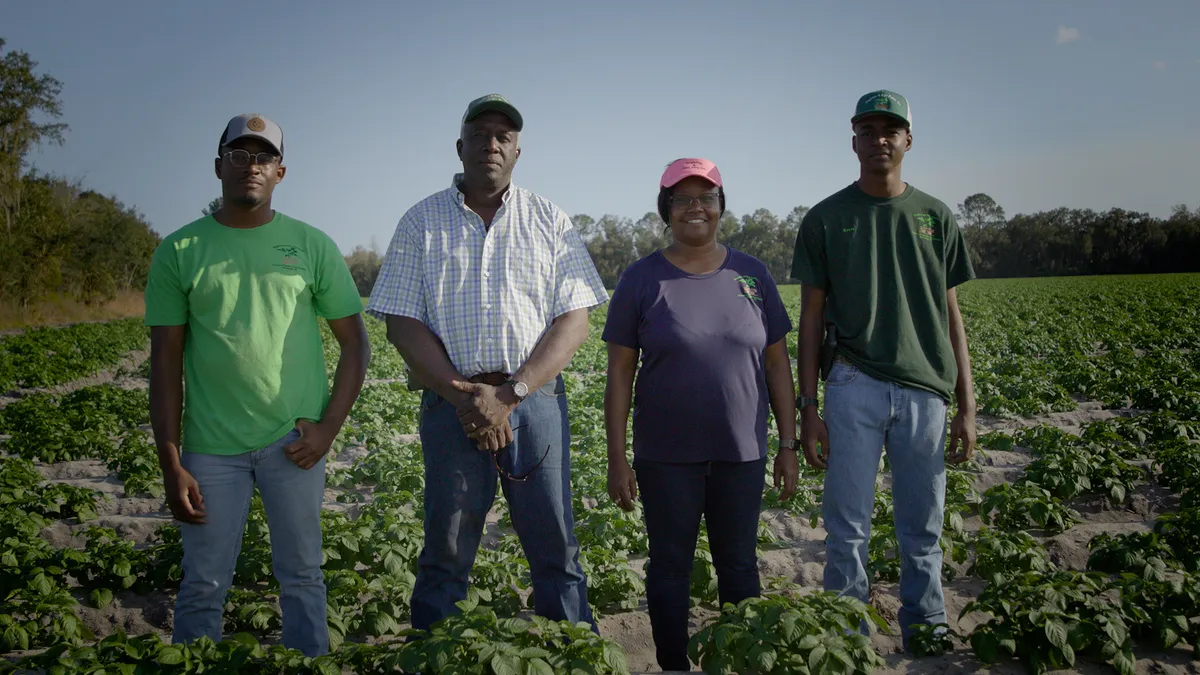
<point>25,98</point>
<point>980,210</point>
<point>213,206</point>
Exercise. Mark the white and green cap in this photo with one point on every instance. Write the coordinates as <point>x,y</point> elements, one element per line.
<point>883,102</point>
<point>494,102</point>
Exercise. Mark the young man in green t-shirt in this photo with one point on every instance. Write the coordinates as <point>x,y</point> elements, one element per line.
<point>879,262</point>
<point>233,302</point>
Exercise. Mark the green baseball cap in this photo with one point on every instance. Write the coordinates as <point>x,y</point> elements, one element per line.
<point>883,102</point>
<point>494,102</point>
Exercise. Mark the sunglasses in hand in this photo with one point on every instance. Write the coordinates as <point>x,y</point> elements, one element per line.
<point>521,477</point>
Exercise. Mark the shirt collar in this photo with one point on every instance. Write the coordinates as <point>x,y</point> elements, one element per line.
<point>462,200</point>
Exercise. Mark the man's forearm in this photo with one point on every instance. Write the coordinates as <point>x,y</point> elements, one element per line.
<point>964,388</point>
<point>347,381</point>
<point>554,351</point>
<point>425,355</point>
<point>166,400</point>
<point>808,361</point>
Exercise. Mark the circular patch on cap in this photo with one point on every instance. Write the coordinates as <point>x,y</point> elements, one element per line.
<point>256,124</point>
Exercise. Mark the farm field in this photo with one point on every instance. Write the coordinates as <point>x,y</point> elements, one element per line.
<point>1072,539</point>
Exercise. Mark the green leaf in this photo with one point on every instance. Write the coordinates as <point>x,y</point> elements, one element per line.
<point>985,646</point>
<point>1056,633</point>
<point>506,664</point>
<point>1124,662</point>
<point>762,658</point>
<point>614,657</point>
<point>326,665</point>
<point>171,656</point>
<point>1169,638</point>
<point>538,666</point>
<point>100,597</point>
<point>815,656</point>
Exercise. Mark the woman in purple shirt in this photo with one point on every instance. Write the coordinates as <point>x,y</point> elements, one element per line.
<point>710,327</point>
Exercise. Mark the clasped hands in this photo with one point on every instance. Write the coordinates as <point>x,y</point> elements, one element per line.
<point>483,412</point>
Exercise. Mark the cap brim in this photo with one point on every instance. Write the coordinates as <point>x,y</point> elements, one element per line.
<point>885,113</point>
<point>505,109</point>
<point>676,180</point>
<point>261,137</point>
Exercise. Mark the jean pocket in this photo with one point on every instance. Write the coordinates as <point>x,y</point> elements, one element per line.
<point>431,401</point>
<point>841,374</point>
<point>554,388</point>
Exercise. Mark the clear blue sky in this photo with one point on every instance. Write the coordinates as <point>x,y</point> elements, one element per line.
<point>1075,103</point>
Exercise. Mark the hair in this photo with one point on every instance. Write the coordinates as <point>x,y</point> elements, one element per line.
<point>664,202</point>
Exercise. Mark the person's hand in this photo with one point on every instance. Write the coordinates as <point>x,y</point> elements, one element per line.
<point>312,445</point>
<point>787,473</point>
<point>183,496</point>
<point>622,484</point>
<point>495,438</point>
<point>482,409</point>
<point>962,437</point>
<point>812,434</point>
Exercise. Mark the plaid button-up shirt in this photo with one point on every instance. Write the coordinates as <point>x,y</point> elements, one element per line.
<point>488,293</point>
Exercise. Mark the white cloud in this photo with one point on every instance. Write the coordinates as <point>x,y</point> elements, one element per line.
<point>1067,35</point>
<point>1159,65</point>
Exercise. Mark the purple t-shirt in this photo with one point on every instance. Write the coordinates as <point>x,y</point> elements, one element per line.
<point>701,391</point>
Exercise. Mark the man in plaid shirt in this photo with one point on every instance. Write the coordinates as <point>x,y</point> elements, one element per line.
<point>485,291</point>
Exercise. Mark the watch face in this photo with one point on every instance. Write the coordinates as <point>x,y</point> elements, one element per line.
<point>520,389</point>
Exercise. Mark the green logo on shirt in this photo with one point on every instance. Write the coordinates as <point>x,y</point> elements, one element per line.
<point>749,288</point>
<point>925,226</point>
<point>291,257</point>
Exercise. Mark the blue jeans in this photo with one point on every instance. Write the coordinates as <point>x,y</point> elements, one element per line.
<point>460,487</point>
<point>292,498</point>
<point>863,416</point>
<point>674,497</point>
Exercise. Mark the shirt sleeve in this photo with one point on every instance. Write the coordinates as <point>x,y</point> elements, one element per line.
<point>166,301</point>
<point>958,259</point>
<point>808,260</point>
<point>621,324</point>
<point>779,324</point>
<point>334,291</point>
<point>400,287</point>
<point>577,284</point>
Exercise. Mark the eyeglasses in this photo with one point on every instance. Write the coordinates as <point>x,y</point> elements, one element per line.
<point>707,200</point>
<point>525,476</point>
<point>242,158</point>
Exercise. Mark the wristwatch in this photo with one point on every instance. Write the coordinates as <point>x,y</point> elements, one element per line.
<point>519,388</point>
<point>803,402</point>
<point>787,445</point>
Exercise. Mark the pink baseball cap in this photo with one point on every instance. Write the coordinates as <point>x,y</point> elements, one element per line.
<point>690,166</point>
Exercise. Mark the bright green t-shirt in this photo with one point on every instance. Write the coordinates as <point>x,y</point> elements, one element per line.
<point>885,266</point>
<point>253,360</point>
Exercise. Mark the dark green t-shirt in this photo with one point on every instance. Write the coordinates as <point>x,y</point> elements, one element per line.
<point>885,266</point>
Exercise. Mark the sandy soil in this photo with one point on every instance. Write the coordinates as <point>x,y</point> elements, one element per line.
<point>800,558</point>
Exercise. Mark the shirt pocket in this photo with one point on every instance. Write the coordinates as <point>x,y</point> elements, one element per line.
<point>530,273</point>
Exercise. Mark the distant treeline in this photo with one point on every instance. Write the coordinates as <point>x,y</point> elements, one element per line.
<point>1061,242</point>
<point>55,236</point>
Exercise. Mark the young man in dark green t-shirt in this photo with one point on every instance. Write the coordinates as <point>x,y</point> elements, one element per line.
<point>879,262</point>
<point>233,302</point>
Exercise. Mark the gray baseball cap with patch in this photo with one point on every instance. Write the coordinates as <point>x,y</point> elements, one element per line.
<point>255,125</point>
<point>494,102</point>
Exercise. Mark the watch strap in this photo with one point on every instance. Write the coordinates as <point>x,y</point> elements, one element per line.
<point>803,402</point>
